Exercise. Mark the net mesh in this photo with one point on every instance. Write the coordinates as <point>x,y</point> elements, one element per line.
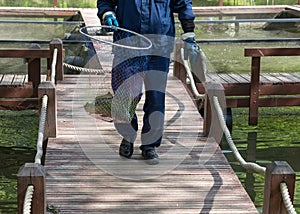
<point>123,58</point>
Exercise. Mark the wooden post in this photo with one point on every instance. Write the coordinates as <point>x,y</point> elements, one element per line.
<point>57,43</point>
<point>207,116</point>
<point>48,88</point>
<point>55,4</point>
<point>220,3</point>
<point>179,70</point>
<point>276,173</point>
<point>212,126</point>
<point>254,91</point>
<point>32,174</point>
<point>34,70</point>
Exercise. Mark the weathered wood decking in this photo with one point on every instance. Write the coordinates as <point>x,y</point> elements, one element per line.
<point>84,176</point>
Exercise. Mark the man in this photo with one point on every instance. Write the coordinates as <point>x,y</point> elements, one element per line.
<point>147,17</point>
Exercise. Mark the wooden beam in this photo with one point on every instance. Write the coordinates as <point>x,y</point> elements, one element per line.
<point>254,91</point>
<point>24,53</point>
<point>260,52</point>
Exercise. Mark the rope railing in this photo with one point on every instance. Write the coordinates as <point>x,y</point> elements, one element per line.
<point>28,199</point>
<point>197,95</point>
<point>287,199</point>
<point>43,115</point>
<point>42,122</point>
<point>31,176</point>
<point>87,70</point>
<point>247,165</point>
<point>53,65</point>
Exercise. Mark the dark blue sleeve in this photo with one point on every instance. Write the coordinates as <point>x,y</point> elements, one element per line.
<point>183,8</point>
<point>185,14</point>
<point>104,6</point>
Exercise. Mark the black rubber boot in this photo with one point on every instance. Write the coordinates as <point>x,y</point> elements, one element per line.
<point>126,149</point>
<point>150,156</point>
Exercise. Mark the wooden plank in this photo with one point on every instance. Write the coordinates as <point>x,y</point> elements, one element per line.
<point>228,78</point>
<point>240,78</point>
<point>290,77</point>
<point>37,12</point>
<point>19,80</point>
<point>23,91</point>
<point>280,89</point>
<point>76,185</point>
<point>272,78</point>
<point>283,79</point>
<point>297,75</point>
<point>264,79</point>
<point>24,53</point>
<point>89,16</point>
<point>262,52</point>
<point>18,104</point>
<point>238,10</point>
<point>7,79</point>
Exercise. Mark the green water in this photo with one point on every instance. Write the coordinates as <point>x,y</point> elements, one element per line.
<point>275,138</point>
<point>18,131</point>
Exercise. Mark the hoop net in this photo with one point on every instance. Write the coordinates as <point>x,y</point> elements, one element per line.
<point>124,51</point>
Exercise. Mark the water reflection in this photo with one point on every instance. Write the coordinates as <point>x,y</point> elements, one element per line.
<point>276,138</point>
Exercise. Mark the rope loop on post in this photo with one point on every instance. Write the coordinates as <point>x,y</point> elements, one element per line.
<point>28,199</point>
<point>287,199</point>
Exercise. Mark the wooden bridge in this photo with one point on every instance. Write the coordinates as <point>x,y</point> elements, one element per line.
<point>82,172</point>
<point>82,182</point>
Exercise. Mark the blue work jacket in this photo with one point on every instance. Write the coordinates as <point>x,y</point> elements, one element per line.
<point>147,16</point>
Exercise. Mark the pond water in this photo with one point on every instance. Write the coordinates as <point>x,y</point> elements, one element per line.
<point>275,138</point>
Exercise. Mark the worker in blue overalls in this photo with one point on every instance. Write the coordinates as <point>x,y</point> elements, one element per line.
<point>147,17</point>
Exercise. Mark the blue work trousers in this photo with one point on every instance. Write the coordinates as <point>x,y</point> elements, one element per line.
<point>128,78</point>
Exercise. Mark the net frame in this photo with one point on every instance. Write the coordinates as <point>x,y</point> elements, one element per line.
<point>91,33</point>
<point>121,45</point>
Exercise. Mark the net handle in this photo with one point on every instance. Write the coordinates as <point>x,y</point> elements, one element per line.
<point>83,31</point>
